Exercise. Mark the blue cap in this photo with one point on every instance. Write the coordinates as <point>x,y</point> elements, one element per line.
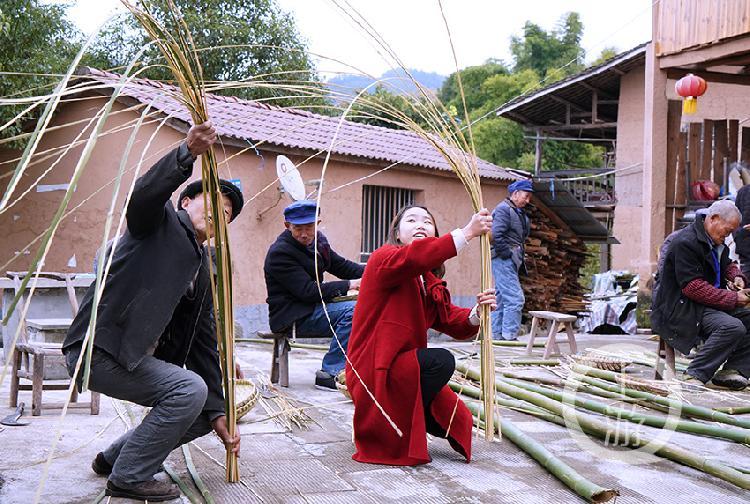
<point>300,212</point>
<point>521,185</point>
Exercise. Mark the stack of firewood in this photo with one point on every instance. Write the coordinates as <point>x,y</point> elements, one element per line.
<point>554,257</point>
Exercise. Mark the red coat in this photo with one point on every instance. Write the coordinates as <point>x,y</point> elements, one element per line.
<point>391,319</point>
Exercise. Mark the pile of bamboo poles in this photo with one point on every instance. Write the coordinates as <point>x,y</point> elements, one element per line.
<point>554,257</point>
<point>562,402</point>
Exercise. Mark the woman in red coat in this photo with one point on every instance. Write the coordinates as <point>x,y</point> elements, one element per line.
<point>401,296</point>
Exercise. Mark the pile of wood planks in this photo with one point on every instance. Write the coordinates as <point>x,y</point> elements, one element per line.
<point>554,257</point>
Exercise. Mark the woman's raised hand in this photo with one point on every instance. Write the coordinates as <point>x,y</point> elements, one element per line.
<point>480,223</point>
<point>487,297</point>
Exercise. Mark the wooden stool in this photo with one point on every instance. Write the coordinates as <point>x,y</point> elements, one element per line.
<point>29,363</point>
<point>280,355</point>
<point>554,320</point>
<point>665,354</point>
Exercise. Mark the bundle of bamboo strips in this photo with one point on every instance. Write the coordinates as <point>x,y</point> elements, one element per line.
<point>182,59</point>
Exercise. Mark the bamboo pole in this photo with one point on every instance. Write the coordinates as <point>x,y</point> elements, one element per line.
<point>559,469</point>
<point>306,346</point>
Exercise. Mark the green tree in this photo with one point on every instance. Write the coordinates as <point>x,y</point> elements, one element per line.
<point>387,109</point>
<point>543,51</point>
<point>606,54</point>
<point>37,42</point>
<point>240,40</point>
<point>472,80</point>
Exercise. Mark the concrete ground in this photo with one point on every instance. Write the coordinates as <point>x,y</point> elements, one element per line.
<point>314,465</point>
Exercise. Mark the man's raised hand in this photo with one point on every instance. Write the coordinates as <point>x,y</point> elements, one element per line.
<point>200,137</point>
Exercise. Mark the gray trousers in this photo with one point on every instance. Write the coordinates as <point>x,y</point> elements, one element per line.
<point>726,340</point>
<point>176,397</point>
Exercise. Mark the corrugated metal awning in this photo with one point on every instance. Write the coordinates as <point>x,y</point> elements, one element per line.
<point>557,198</point>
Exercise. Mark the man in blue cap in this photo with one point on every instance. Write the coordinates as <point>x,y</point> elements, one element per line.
<point>292,285</point>
<point>510,228</point>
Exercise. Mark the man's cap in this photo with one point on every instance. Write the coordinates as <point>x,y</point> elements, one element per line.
<point>521,185</point>
<point>227,189</point>
<point>300,212</point>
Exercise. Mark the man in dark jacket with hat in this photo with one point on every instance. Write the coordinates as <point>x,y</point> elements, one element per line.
<point>510,228</point>
<point>294,301</point>
<point>697,300</point>
<point>155,341</point>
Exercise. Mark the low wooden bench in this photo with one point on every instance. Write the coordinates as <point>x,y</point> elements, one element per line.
<point>664,357</point>
<point>31,353</point>
<point>554,320</point>
<point>280,355</point>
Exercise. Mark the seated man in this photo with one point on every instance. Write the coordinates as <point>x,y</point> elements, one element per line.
<point>293,295</point>
<point>694,302</point>
<point>155,340</point>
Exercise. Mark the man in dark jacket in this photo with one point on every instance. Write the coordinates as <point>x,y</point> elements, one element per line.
<point>510,228</point>
<point>294,294</point>
<point>154,320</point>
<point>694,301</point>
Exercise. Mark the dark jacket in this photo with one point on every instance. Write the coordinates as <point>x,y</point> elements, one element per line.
<point>742,235</point>
<point>144,300</point>
<point>510,228</point>
<point>290,278</point>
<point>674,316</point>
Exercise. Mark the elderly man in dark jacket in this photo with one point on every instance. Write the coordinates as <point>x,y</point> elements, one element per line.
<point>294,294</point>
<point>154,320</point>
<point>697,300</point>
<point>510,228</point>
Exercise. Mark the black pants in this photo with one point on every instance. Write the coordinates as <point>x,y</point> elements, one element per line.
<point>436,366</point>
<point>726,341</point>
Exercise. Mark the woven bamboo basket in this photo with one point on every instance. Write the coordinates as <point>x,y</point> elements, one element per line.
<point>246,395</point>
<point>602,362</point>
<point>341,384</point>
<point>642,385</point>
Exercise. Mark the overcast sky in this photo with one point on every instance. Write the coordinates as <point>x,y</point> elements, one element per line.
<point>481,29</point>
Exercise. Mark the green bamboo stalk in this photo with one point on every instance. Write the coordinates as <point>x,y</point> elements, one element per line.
<point>733,410</point>
<point>686,409</point>
<point>501,343</point>
<point>292,344</point>
<point>183,486</point>
<point>562,471</point>
<point>534,362</point>
<point>736,435</point>
<point>620,436</point>
<point>195,475</point>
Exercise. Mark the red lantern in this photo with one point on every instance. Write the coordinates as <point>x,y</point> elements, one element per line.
<point>690,88</point>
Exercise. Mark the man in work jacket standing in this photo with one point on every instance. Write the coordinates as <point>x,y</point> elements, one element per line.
<point>510,228</point>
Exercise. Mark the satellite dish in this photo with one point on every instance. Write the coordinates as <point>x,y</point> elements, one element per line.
<point>290,178</point>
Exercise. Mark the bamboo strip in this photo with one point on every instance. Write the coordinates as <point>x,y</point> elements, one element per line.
<point>196,475</point>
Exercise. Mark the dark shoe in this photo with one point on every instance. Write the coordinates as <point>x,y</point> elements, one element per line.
<point>325,381</point>
<point>103,468</point>
<point>729,379</point>
<point>152,491</point>
<point>100,465</point>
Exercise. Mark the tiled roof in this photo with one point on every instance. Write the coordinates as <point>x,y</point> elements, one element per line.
<point>293,128</point>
